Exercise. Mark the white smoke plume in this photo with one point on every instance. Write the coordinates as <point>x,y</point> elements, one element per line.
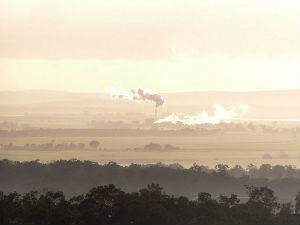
<point>137,94</point>
<point>220,115</point>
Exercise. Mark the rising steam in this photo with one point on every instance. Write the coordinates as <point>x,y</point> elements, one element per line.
<point>220,115</point>
<point>137,94</point>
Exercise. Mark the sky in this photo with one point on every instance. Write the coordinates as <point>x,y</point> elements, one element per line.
<point>166,46</point>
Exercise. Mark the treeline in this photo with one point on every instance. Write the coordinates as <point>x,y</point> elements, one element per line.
<point>110,205</point>
<point>93,144</point>
<point>102,128</point>
<point>106,132</point>
<point>265,171</point>
<point>51,146</point>
<point>76,177</point>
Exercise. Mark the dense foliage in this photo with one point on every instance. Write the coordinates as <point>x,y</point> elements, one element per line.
<point>75,177</point>
<point>110,205</point>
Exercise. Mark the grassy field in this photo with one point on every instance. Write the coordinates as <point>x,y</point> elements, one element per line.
<point>235,148</point>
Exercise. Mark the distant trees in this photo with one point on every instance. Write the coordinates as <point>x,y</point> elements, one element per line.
<point>50,146</point>
<point>171,147</point>
<point>196,168</point>
<point>237,171</point>
<point>80,146</point>
<point>76,177</point>
<point>94,144</point>
<point>109,205</point>
<point>158,147</point>
<point>153,146</point>
<point>222,168</point>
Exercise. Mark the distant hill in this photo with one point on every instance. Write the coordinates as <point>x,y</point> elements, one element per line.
<point>264,104</point>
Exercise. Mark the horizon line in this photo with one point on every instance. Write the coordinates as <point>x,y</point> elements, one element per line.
<point>167,92</point>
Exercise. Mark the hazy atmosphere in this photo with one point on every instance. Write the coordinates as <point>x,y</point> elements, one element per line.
<point>167,46</point>
<point>149,112</point>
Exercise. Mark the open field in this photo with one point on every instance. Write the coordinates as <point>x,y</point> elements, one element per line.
<point>234,148</point>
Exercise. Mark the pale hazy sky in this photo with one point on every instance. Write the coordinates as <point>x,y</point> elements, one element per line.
<point>167,46</point>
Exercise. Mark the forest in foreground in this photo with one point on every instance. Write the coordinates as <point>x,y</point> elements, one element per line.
<point>75,177</point>
<point>148,206</point>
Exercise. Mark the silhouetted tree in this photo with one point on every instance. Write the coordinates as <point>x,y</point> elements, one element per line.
<point>108,205</point>
<point>100,205</point>
<point>297,206</point>
<point>153,146</point>
<point>75,177</point>
<point>229,201</point>
<point>222,168</point>
<point>264,196</point>
<point>94,144</point>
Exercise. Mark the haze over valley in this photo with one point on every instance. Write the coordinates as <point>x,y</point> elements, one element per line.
<point>177,112</point>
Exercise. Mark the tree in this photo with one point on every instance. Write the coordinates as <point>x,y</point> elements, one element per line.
<point>153,192</point>
<point>264,170</point>
<point>263,196</point>
<point>100,205</point>
<point>195,167</point>
<point>297,206</point>
<point>153,146</point>
<point>10,208</point>
<point>222,168</point>
<point>154,188</point>
<point>94,144</point>
<point>52,208</point>
<point>152,202</point>
<point>229,201</point>
<point>108,205</point>
<point>237,171</point>
<point>80,146</point>
<point>204,197</point>
<point>285,209</point>
<point>252,170</point>
<point>278,171</point>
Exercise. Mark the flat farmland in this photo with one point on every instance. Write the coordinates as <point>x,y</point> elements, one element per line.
<point>230,148</point>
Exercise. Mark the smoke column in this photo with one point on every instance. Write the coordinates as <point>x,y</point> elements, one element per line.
<point>220,115</point>
<point>137,94</point>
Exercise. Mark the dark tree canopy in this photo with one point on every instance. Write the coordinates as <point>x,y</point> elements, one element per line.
<point>75,177</point>
<point>109,205</point>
